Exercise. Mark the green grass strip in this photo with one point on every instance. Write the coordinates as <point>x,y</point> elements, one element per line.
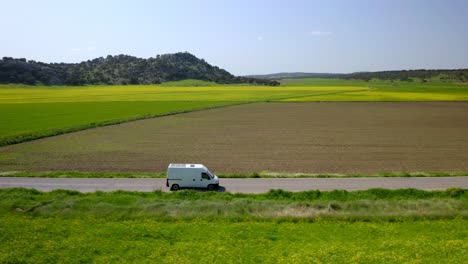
<point>368,205</point>
<point>272,195</point>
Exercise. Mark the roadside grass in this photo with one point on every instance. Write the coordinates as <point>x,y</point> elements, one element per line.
<point>79,174</point>
<point>373,204</point>
<point>340,175</point>
<point>373,226</point>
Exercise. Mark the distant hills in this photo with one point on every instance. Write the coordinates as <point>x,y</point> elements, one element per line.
<point>120,69</point>
<point>294,75</point>
<point>403,75</point>
<point>407,75</point>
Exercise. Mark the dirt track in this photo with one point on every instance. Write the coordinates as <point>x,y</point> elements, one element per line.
<point>280,137</point>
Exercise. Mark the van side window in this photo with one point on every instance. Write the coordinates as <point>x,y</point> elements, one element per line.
<point>205,176</point>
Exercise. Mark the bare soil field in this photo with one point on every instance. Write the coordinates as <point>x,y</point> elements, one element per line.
<point>279,137</point>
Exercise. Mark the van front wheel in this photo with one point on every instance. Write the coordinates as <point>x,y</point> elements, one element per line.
<point>175,187</point>
<point>210,187</point>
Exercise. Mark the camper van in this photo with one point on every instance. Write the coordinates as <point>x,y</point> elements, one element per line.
<point>190,176</point>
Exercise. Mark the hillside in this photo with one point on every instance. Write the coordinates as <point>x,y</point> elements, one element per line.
<point>120,69</point>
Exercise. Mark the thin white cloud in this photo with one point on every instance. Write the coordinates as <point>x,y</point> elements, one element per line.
<point>259,38</point>
<point>75,49</point>
<point>91,48</point>
<point>319,33</point>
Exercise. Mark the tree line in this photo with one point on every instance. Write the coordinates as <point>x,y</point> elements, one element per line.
<point>406,75</point>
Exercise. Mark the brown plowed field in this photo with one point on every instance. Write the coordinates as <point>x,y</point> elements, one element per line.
<point>279,137</point>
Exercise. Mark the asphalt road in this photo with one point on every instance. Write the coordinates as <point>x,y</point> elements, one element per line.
<point>237,185</point>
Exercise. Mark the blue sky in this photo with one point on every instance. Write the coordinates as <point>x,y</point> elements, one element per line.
<point>245,37</point>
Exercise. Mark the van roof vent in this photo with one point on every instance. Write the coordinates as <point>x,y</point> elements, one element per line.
<point>175,165</point>
<point>191,165</point>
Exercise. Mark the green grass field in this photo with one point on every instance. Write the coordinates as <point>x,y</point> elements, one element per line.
<point>31,112</point>
<point>36,118</point>
<point>411,226</point>
<point>83,240</point>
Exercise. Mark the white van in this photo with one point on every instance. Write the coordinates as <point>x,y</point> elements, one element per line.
<point>190,176</point>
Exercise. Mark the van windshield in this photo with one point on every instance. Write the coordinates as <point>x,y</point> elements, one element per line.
<point>211,174</point>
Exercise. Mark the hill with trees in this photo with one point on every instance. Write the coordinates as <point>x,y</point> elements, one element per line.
<point>120,69</point>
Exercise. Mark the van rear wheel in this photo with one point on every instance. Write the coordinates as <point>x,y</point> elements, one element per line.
<point>210,187</point>
<point>175,187</point>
